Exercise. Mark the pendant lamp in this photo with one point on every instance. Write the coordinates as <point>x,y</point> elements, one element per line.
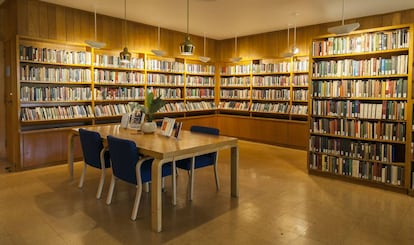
<point>157,51</point>
<point>289,53</point>
<point>295,50</point>
<point>204,58</point>
<point>236,58</point>
<point>94,43</point>
<point>343,29</point>
<point>187,47</point>
<point>125,55</point>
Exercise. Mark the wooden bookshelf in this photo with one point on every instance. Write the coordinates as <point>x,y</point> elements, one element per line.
<point>360,107</point>
<point>270,88</point>
<point>61,84</point>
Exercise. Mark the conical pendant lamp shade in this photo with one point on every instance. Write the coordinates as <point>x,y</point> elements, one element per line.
<point>187,47</point>
<point>235,58</point>
<point>94,43</point>
<point>157,51</point>
<point>343,29</point>
<point>204,58</point>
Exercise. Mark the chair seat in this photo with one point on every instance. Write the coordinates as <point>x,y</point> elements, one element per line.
<point>146,168</point>
<point>200,161</point>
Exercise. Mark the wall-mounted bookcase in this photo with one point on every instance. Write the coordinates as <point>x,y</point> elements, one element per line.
<point>61,85</point>
<point>271,88</point>
<point>361,107</point>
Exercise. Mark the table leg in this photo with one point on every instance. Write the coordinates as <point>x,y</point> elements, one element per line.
<point>71,136</point>
<point>234,171</point>
<point>156,199</point>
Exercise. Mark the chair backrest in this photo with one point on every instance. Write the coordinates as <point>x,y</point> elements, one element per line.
<point>205,130</point>
<point>91,143</point>
<point>124,157</point>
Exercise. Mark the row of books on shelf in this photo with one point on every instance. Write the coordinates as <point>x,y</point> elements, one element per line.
<point>200,81</point>
<point>301,65</point>
<point>271,67</point>
<point>370,88</point>
<point>300,80</point>
<point>166,93</point>
<point>163,79</point>
<point>366,42</point>
<point>200,69</point>
<point>270,81</point>
<point>164,65</point>
<point>122,77</point>
<point>199,106</point>
<point>235,93</point>
<point>54,94</point>
<point>235,69</point>
<point>121,93</point>
<point>111,61</point>
<point>54,74</point>
<point>300,94</point>
<point>391,110</point>
<point>376,66</point>
<point>353,148</point>
<point>359,129</point>
<point>35,54</point>
<point>389,174</point>
<point>199,93</point>
<point>283,108</point>
<point>267,94</point>
<point>235,81</point>
<point>56,113</point>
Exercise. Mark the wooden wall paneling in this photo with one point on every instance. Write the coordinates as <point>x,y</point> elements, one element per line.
<point>46,147</point>
<point>51,22</point>
<point>2,105</point>
<point>23,17</point>
<point>298,134</point>
<point>43,20</point>
<point>60,23</point>
<point>256,129</point>
<point>12,115</point>
<point>33,18</point>
<point>112,33</point>
<point>208,121</point>
<point>70,25</point>
<point>8,20</point>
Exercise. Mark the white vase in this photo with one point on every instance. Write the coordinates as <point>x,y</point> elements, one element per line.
<point>148,127</point>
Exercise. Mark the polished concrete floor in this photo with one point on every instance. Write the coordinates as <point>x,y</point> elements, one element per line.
<point>279,203</point>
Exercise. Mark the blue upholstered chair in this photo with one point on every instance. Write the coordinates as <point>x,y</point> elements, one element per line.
<point>95,155</point>
<point>127,165</point>
<point>209,159</point>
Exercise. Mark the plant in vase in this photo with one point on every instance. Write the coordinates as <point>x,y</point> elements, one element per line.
<point>151,106</point>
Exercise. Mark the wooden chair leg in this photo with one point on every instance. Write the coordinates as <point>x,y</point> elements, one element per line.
<point>137,201</point>
<point>82,178</point>
<point>101,184</point>
<point>111,190</point>
<point>146,187</point>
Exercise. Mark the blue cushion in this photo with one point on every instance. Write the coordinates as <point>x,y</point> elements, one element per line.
<point>125,155</point>
<point>91,143</point>
<point>203,160</point>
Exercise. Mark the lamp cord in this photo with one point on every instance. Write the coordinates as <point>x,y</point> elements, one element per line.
<point>235,46</point>
<point>125,24</point>
<point>188,17</point>
<point>343,10</point>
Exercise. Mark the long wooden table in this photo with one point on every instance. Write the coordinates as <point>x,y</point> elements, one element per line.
<point>165,149</point>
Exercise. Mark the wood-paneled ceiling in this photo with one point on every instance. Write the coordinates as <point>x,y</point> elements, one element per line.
<point>222,19</point>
